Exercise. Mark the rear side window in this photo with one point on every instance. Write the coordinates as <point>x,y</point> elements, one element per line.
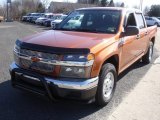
<point>131,21</point>
<point>147,18</point>
<point>140,20</point>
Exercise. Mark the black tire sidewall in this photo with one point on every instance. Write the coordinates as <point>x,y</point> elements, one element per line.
<point>151,45</point>
<point>100,99</point>
<point>145,58</point>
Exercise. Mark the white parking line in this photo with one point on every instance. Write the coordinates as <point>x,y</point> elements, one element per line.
<point>6,26</point>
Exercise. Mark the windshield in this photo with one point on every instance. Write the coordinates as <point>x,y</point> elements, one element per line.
<point>62,17</point>
<point>47,16</point>
<point>36,14</point>
<point>101,21</point>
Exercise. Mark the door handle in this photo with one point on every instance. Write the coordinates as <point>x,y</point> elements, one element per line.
<point>121,42</point>
<point>138,36</point>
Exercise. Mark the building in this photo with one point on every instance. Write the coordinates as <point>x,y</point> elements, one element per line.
<point>88,1</point>
<point>59,7</point>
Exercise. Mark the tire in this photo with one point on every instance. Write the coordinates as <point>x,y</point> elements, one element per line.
<point>156,24</point>
<point>105,94</point>
<point>147,58</point>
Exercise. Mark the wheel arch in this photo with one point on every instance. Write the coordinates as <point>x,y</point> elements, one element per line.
<point>153,40</point>
<point>114,59</point>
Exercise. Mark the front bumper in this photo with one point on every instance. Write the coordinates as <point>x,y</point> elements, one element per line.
<point>80,89</point>
<point>38,22</point>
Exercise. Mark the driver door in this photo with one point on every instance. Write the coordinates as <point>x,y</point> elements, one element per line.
<point>129,47</point>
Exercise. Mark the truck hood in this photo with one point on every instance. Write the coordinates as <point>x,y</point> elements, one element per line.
<point>68,39</point>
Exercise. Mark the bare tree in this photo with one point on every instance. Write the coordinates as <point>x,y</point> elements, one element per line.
<point>46,3</point>
<point>22,7</point>
<point>2,11</point>
<point>136,7</point>
<point>111,3</point>
<point>122,5</point>
<point>146,10</point>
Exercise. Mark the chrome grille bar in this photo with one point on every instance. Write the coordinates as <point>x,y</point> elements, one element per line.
<point>56,62</point>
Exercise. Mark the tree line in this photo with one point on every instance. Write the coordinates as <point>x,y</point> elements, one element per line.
<point>103,3</point>
<point>19,8</point>
<point>22,7</point>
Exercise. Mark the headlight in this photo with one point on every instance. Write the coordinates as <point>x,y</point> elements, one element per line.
<point>16,49</point>
<point>77,71</point>
<point>78,58</point>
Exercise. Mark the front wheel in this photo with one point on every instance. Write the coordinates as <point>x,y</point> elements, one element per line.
<point>106,85</point>
<point>147,58</point>
<point>156,24</point>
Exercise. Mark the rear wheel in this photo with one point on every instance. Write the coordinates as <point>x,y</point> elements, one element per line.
<point>156,24</point>
<point>106,85</point>
<point>147,58</point>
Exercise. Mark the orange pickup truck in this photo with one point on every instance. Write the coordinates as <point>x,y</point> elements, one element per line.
<point>82,58</point>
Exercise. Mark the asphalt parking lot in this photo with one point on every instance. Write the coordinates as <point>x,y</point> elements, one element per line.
<point>18,105</point>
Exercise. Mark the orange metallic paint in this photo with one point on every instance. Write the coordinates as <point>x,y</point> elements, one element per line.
<point>103,46</point>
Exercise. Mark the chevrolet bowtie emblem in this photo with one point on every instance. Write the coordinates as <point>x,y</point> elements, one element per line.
<point>35,59</point>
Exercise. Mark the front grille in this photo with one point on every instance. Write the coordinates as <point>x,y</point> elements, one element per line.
<point>23,59</point>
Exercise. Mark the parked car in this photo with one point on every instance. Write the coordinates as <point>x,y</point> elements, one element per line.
<point>35,16</point>
<point>24,18</point>
<point>28,19</point>
<point>74,21</point>
<point>82,61</point>
<point>47,22</point>
<point>1,18</point>
<point>41,20</point>
<point>158,18</point>
<point>152,21</point>
<point>55,22</point>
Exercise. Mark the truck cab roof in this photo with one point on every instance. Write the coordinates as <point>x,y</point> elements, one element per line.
<point>112,8</point>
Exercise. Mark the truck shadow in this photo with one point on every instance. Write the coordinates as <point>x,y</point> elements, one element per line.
<point>17,105</point>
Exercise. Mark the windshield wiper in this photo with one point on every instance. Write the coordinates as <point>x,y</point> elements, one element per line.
<point>63,29</point>
<point>87,30</point>
<point>83,30</point>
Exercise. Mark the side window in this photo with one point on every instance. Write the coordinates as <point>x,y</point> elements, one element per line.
<point>140,20</point>
<point>131,21</point>
<point>74,22</point>
<point>146,18</point>
<point>90,20</point>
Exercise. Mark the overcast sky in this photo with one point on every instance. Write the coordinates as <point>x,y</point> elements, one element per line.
<point>129,3</point>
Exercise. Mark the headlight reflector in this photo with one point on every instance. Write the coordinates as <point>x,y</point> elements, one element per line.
<point>75,72</point>
<point>17,49</point>
<point>78,58</point>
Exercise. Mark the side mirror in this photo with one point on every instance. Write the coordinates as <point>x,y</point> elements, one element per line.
<point>131,30</point>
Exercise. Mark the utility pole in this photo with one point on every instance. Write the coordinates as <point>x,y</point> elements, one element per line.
<point>141,5</point>
<point>8,11</point>
<point>87,3</point>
